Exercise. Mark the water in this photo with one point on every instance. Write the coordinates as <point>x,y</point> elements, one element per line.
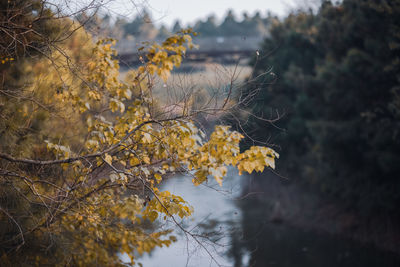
<point>282,245</point>
<point>215,216</point>
<point>245,235</point>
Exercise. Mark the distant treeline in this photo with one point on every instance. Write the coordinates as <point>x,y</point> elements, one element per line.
<point>143,27</point>
<point>338,92</point>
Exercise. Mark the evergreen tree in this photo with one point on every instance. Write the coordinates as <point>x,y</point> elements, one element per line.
<point>207,28</point>
<point>229,27</point>
<point>141,27</point>
<point>163,33</point>
<point>177,26</point>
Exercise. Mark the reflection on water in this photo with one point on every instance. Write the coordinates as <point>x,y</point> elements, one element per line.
<point>241,232</point>
<point>278,244</point>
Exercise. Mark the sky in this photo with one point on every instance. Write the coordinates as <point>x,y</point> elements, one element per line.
<point>188,11</point>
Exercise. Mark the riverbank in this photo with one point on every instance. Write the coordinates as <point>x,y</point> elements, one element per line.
<point>289,203</point>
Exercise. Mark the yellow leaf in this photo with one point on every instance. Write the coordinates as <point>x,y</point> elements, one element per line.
<point>108,159</point>
<point>134,161</point>
<point>147,138</point>
<point>152,215</point>
<point>146,159</point>
<point>158,177</point>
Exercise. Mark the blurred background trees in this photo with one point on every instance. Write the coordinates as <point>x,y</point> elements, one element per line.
<point>337,91</point>
<point>142,27</point>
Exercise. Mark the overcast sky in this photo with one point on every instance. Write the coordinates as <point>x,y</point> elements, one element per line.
<point>188,11</point>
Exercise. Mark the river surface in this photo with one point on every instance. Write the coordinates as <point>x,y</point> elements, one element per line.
<point>243,232</point>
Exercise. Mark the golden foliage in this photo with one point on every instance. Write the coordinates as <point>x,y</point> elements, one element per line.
<point>96,194</point>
